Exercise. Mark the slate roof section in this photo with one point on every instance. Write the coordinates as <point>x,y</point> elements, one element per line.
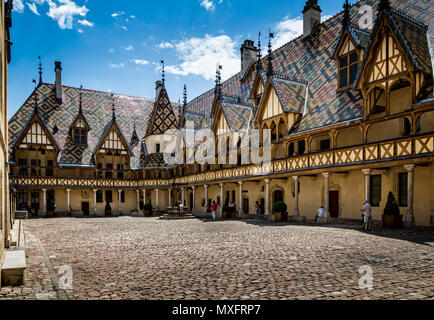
<point>163,117</point>
<point>154,161</point>
<point>237,115</point>
<point>292,95</point>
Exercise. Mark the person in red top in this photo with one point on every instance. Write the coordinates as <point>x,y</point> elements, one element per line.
<point>213,209</point>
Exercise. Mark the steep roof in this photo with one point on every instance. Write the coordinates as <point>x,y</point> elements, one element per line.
<point>163,117</point>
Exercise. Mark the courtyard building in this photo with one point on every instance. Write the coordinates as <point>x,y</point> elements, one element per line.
<point>349,108</point>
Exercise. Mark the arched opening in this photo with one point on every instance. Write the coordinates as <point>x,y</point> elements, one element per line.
<point>291,149</point>
<point>279,152</point>
<point>278,195</point>
<point>400,96</point>
<point>425,122</point>
<point>282,129</point>
<point>273,132</point>
<point>349,137</point>
<point>321,143</point>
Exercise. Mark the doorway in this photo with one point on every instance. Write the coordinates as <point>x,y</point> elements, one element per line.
<point>262,206</point>
<point>277,196</point>
<point>334,204</point>
<point>85,208</point>
<point>246,205</point>
<point>191,201</point>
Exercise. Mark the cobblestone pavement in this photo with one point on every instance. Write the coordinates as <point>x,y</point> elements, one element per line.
<point>144,258</point>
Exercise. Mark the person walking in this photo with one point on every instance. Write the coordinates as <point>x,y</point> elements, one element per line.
<point>367,216</point>
<point>320,213</point>
<point>213,210</point>
<point>181,207</point>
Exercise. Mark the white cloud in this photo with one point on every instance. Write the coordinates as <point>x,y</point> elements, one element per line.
<point>288,29</point>
<point>18,6</point>
<point>111,50</point>
<point>165,45</point>
<point>118,14</point>
<point>210,5</point>
<point>64,12</point>
<point>129,48</point>
<point>86,23</point>
<point>200,56</point>
<point>117,66</point>
<point>125,28</point>
<point>32,7</point>
<point>132,16</point>
<point>80,31</point>
<point>141,62</point>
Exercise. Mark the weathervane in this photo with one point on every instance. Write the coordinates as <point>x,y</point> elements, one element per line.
<point>270,58</point>
<point>259,46</point>
<point>163,77</point>
<point>40,70</point>
<point>113,106</point>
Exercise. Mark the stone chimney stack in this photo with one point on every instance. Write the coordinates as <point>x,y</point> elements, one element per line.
<point>158,87</point>
<point>248,55</point>
<point>311,17</point>
<point>58,71</point>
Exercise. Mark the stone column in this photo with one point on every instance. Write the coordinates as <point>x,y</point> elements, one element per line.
<point>267,197</point>
<point>157,201</point>
<point>296,191</point>
<point>409,218</point>
<point>68,199</point>
<point>222,185</point>
<point>120,198</point>
<point>240,207</point>
<point>367,173</point>
<point>44,201</point>
<point>144,197</point>
<point>183,195</point>
<point>170,197</point>
<point>94,200</point>
<point>138,201</point>
<point>194,199</point>
<point>326,176</point>
<point>206,197</point>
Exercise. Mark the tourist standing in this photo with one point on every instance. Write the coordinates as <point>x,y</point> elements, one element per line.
<point>367,216</point>
<point>213,210</point>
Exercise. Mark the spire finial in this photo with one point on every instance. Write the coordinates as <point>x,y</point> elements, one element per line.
<point>384,5</point>
<point>185,94</point>
<point>259,46</point>
<point>163,74</point>
<point>80,109</point>
<point>218,79</point>
<point>113,106</point>
<point>347,7</point>
<point>36,96</point>
<point>40,70</point>
<point>270,57</point>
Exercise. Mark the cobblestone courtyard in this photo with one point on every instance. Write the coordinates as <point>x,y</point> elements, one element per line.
<point>144,258</point>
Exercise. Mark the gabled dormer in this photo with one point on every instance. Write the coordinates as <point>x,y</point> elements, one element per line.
<point>112,142</point>
<point>349,51</point>
<point>258,86</point>
<point>80,128</point>
<point>396,64</point>
<point>134,138</point>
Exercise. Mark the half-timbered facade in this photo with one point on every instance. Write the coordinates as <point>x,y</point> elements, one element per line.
<point>350,110</point>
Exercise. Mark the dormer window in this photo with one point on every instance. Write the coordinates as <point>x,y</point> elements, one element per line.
<point>348,66</point>
<point>79,133</point>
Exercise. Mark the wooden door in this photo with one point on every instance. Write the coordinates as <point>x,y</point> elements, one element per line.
<point>262,206</point>
<point>334,204</point>
<point>246,205</point>
<point>85,208</point>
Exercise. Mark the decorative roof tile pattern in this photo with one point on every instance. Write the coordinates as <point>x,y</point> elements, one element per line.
<point>154,160</point>
<point>163,117</point>
<point>292,95</point>
<point>237,115</point>
<point>97,110</point>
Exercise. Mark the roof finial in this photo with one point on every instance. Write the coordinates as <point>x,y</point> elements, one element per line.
<point>163,74</point>
<point>40,71</point>
<point>80,110</point>
<point>270,57</point>
<point>185,94</point>
<point>218,79</point>
<point>113,106</point>
<point>384,5</point>
<point>259,46</point>
<point>347,6</point>
<point>36,96</point>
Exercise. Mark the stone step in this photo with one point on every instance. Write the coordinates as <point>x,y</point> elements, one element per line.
<point>176,217</point>
<point>21,214</point>
<point>13,268</point>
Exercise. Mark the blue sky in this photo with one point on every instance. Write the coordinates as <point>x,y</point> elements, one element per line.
<point>117,45</point>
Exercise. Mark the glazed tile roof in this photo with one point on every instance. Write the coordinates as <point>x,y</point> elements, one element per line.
<point>163,117</point>
<point>237,115</point>
<point>292,95</point>
<point>154,160</point>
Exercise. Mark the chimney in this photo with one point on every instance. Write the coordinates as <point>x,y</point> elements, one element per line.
<point>248,55</point>
<point>311,17</point>
<point>58,71</point>
<point>158,87</point>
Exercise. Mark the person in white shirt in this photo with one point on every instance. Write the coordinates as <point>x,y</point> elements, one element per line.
<point>367,216</point>
<point>320,213</point>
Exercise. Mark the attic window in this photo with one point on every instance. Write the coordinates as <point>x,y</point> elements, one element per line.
<point>79,133</point>
<point>348,66</point>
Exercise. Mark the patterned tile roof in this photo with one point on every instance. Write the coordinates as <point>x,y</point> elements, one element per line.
<point>163,117</point>
<point>237,115</point>
<point>292,95</point>
<point>154,160</point>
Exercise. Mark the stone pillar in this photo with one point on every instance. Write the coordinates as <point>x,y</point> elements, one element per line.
<point>367,173</point>
<point>183,195</point>
<point>138,201</point>
<point>326,176</point>
<point>296,191</point>
<point>94,200</point>
<point>206,197</point>
<point>222,185</point>
<point>240,207</point>
<point>119,205</point>
<point>44,202</point>
<point>170,197</point>
<point>144,197</point>
<point>157,201</point>
<point>409,218</point>
<point>68,200</point>
<point>194,199</point>
<point>267,197</point>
